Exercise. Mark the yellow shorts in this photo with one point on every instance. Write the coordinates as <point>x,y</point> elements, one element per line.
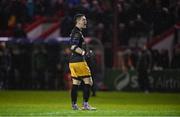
<point>79,70</point>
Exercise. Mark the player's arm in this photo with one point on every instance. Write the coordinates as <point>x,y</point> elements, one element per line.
<point>75,38</point>
<point>78,50</point>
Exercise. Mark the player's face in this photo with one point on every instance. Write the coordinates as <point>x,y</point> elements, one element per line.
<point>82,22</point>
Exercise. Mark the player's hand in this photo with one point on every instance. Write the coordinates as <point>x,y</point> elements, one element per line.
<point>90,53</point>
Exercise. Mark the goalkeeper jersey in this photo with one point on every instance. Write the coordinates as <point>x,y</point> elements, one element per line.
<point>77,38</point>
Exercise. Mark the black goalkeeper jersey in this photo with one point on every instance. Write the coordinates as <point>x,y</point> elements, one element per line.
<point>77,38</point>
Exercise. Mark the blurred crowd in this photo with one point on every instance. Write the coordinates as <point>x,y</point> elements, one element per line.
<point>24,12</point>
<point>145,61</point>
<point>148,59</point>
<point>132,18</point>
<point>135,17</point>
<point>31,66</point>
<point>41,67</point>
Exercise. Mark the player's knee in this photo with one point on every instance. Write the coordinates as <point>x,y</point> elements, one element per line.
<point>88,81</point>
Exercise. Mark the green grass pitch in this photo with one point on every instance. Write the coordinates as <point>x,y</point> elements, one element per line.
<point>57,103</point>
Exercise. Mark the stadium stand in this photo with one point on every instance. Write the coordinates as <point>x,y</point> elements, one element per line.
<point>138,22</point>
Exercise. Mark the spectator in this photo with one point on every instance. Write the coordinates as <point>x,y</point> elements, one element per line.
<point>26,65</point>
<point>64,63</point>
<point>141,27</point>
<point>18,8</point>
<point>177,11</point>
<point>164,57</point>
<point>4,15</point>
<point>156,60</point>
<point>39,62</point>
<point>30,8</point>
<point>175,60</point>
<point>143,68</point>
<point>39,7</point>
<point>5,65</point>
<point>16,67</point>
<point>146,10</point>
<point>66,26</point>
<point>19,31</point>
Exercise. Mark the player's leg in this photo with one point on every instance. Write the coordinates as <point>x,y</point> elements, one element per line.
<point>86,93</point>
<point>74,92</point>
<point>87,79</point>
<point>82,71</point>
<point>93,87</point>
<point>75,85</point>
<point>86,88</point>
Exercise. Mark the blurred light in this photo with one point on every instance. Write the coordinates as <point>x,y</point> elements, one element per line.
<point>4,38</point>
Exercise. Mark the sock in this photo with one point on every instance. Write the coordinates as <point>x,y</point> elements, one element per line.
<point>86,92</point>
<point>74,94</point>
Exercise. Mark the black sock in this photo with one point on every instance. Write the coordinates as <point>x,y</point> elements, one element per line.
<point>86,92</point>
<point>74,94</point>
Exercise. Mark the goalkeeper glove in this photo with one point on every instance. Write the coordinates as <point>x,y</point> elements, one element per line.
<point>89,54</point>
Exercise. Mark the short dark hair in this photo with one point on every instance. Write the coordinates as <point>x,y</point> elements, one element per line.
<point>77,16</point>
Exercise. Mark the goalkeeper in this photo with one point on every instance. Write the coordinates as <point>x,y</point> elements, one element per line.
<point>78,66</point>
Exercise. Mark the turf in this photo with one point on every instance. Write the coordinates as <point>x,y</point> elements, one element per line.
<point>57,103</point>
